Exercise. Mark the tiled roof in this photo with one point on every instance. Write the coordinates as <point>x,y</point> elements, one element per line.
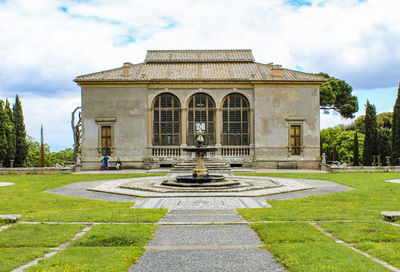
<point>173,56</point>
<point>172,66</point>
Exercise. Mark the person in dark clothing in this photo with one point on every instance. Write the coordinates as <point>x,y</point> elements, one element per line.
<point>118,164</point>
<point>104,162</point>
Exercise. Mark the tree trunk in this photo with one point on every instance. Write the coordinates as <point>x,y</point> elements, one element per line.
<point>76,130</point>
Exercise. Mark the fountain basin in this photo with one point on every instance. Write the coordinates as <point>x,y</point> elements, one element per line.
<point>220,183</point>
<point>193,179</point>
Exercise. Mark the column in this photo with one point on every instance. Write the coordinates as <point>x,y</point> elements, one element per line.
<point>218,124</point>
<point>252,132</point>
<point>183,127</point>
<point>149,138</point>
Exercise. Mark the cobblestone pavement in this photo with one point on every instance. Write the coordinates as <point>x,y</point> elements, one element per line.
<point>202,203</point>
<point>185,247</point>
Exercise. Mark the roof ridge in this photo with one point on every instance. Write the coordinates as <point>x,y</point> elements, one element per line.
<point>177,50</point>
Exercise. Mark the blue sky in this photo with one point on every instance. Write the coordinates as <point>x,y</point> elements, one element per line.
<point>45,44</point>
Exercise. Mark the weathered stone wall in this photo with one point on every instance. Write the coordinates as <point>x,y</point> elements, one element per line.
<point>272,109</point>
<point>278,106</point>
<point>36,170</point>
<point>122,107</point>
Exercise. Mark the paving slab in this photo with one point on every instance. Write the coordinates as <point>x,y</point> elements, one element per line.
<point>207,235</point>
<point>393,180</point>
<point>10,218</point>
<point>79,189</point>
<point>319,187</point>
<point>209,216</point>
<point>6,183</point>
<point>209,219</point>
<point>201,203</point>
<point>202,211</point>
<point>210,260</point>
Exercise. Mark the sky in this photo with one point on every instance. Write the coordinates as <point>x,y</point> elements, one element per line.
<point>45,44</point>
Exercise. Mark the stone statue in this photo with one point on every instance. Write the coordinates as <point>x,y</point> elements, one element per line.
<point>200,139</point>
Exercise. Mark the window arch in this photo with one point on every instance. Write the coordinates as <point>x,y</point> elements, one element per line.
<point>201,113</point>
<point>235,120</point>
<point>166,120</point>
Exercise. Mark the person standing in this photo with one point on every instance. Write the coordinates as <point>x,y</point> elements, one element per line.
<point>104,162</point>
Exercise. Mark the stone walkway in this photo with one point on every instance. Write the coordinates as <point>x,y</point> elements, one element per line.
<point>206,247</point>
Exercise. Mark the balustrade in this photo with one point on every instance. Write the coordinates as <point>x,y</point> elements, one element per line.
<point>166,151</point>
<point>175,151</point>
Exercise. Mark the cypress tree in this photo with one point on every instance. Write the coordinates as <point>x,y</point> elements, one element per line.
<point>356,155</point>
<point>371,134</point>
<point>396,131</point>
<point>21,150</point>
<point>10,134</point>
<point>3,137</point>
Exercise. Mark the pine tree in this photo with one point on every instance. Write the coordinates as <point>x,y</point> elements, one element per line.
<point>3,137</point>
<point>396,131</point>
<point>21,150</point>
<point>10,134</point>
<point>371,134</point>
<point>356,155</point>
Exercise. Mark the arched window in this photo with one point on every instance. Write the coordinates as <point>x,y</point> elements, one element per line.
<point>235,120</point>
<point>201,112</point>
<point>166,120</point>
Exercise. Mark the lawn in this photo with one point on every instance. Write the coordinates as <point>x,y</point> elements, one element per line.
<point>379,239</point>
<point>301,247</point>
<point>27,197</point>
<point>114,247</point>
<point>372,195</point>
<point>108,247</point>
<point>24,242</point>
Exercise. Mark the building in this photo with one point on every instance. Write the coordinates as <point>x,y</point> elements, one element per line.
<point>258,115</point>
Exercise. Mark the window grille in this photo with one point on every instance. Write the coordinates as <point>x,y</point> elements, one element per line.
<point>235,120</point>
<point>106,140</point>
<point>166,120</point>
<point>295,139</point>
<point>201,114</point>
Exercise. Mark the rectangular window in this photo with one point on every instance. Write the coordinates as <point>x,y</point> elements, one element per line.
<point>106,140</point>
<point>295,139</point>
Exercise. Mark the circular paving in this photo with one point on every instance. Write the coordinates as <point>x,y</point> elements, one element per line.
<point>153,187</point>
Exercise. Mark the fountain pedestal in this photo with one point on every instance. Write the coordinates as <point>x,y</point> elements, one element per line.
<point>200,170</point>
<point>200,173</point>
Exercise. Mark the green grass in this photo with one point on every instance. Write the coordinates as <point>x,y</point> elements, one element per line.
<point>379,239</point>
<point>37,235</point>
<point>108,247</point>
<point>11,258</point>
<point>354,232</point>
<point>27,197</point>
<point>90,259</point>
<point>120,235</point>
<point>372,195</point>
<point>24,242</point>
<point>301,247</point>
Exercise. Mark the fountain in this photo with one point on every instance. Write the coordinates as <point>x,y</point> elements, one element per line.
<point>200,183</point>
<point>200,176</point>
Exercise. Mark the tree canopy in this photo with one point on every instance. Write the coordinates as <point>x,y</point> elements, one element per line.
<point>371,135</point>
<point>20,133</point>
<point>396,130</point>
<point>335,94</point>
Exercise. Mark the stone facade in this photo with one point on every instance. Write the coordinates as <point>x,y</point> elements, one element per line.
<point>275,102</point>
